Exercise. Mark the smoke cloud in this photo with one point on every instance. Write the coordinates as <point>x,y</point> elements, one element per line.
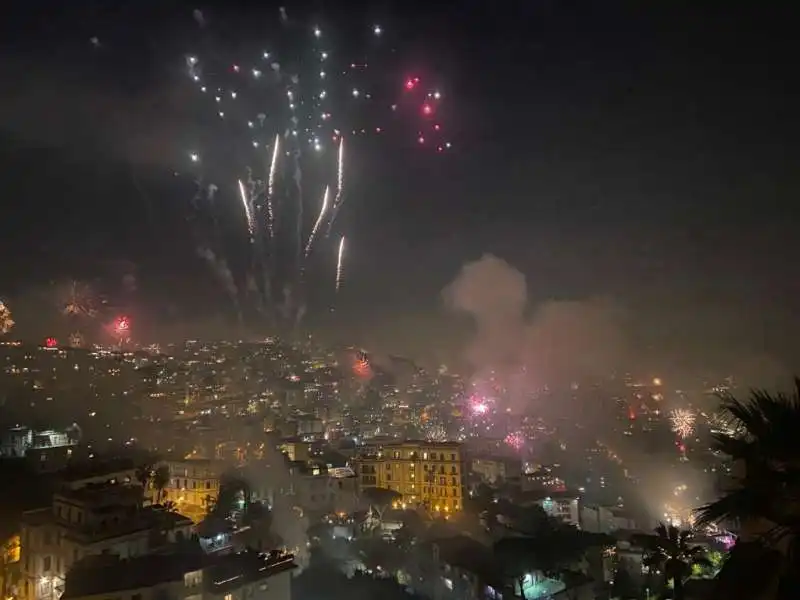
<point>546,345</point>
<point>219,266</point>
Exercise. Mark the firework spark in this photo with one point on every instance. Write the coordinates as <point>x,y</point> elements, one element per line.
<point>479,407</point>
<point>683,421</point>
<point>77,299</point>
<point>337,201</point>
<point>362,368</point>
<point>515,440</point>
<point>280,116</point>
<point>436,433</point>
<point>273,168</point>
<point>248,210</point>
<point>318,222</point>
<point>6,322</point>
<point>340,265</point>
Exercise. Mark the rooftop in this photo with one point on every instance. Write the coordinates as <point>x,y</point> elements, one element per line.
<point>101,575</point>
<point>102,495</point>
<point>86,470</point>
<point>422,443</point>
<point>141,520</point>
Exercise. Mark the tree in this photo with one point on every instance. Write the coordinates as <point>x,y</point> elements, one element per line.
<point>518,557</point>
<point>762,441</point>
<point>161,477</point>
<point>143,474</point>
<point>380,499</point>
<point>233,490</point>
<point>671,551</point>
<point>624,585</point>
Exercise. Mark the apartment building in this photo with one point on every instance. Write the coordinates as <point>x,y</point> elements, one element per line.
<point>193,485</point>
<point>92,520</point>
<point>424,473</point>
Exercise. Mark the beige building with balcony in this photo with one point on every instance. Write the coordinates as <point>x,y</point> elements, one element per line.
<point>427,474</point>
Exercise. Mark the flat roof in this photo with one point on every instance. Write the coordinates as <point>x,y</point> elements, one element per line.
<point>101,575</point>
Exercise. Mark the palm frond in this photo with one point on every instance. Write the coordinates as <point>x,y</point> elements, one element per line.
<point>743,503</point>
<point>766,423</point>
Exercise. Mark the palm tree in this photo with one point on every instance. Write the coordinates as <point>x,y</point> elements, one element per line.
<point>144,473</point>
<point>764,445</point>
<point>671,551</point>
<point>161,478</point>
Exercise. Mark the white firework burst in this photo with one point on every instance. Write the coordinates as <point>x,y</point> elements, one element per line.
<point>77,299</point>
<point>6,322</point>
<point>683,420</point>
<point>436,433</point>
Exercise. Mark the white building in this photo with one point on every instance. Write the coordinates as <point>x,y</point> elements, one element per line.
<point>18,441</point>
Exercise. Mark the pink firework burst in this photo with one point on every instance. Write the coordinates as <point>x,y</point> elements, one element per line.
<point>515,440</point>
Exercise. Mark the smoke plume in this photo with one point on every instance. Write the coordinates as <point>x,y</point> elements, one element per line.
<point>219,266</point>
<point>277,482</point>
<point>546,345</point>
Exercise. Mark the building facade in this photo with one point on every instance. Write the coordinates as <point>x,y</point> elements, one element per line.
<point>428,474</point>
<point>193,485</point>
<point>88,521</point>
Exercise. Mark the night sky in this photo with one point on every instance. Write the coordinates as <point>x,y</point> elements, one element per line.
<point>642,153</point>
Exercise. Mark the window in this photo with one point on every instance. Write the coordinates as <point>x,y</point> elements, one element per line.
<point>452,457</point>
<point>228,596</point>
<point>46,563</point>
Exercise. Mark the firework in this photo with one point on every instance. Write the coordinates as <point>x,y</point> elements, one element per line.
<point>682,422</point>
<point>479,407</point>
<point>122,329</point>
<point>515,440</point>
<point>436,433</point>
<point>337,201</point>
<point>77,299</point>
<point>277,115</point>
<point>122,325</point>
<point>76,339</point>
<point>273,166</point>
<point>248,211</point>
<point>362,368</point>
<point>6,322</point>
<point>318,222</point>
<point>340,264</point>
